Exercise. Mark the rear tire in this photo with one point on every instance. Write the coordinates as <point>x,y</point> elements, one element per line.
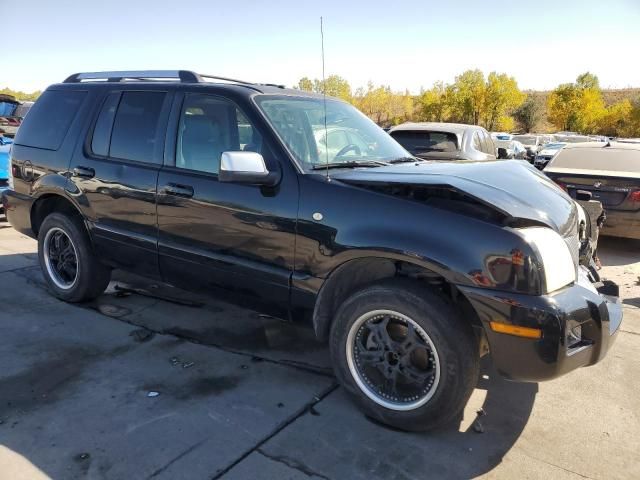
<point>421,376</point>
<point>68,263</point>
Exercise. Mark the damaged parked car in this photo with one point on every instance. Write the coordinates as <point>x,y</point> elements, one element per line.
<point>411,270</point>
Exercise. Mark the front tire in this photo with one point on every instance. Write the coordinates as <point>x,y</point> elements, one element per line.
<point>68,263</point>
<point>405,355</point>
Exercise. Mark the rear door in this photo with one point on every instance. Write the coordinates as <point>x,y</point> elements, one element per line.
<point>215,235</point>
<point>115,175</point>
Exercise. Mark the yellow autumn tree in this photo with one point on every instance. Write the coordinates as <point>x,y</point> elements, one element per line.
<point>501,98</point>
<point>577,106</point>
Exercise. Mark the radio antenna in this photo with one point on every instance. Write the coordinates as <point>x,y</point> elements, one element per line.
<point>324,100</point>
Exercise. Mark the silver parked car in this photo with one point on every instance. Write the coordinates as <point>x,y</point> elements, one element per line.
<point>445,141</point>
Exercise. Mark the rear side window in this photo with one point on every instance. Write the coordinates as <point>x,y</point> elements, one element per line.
<point>50,118</point>
<point>102,130</point>
<point>135,134</point>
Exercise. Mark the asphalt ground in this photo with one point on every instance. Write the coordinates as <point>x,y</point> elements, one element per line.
<point>153,382</point>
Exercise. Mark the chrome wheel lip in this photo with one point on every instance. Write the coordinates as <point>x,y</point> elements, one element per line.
<point>366,389</point>
<point>51,271</point>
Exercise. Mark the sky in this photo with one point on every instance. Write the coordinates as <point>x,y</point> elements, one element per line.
<point>403,44</point>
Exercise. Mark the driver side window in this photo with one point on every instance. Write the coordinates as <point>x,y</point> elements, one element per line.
<point>209,126</point>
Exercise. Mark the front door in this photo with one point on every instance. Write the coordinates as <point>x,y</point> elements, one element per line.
<point>114,176</point>
<point>215,235</point>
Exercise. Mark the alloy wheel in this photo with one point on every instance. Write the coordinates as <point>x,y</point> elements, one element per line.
<point>393,360</point>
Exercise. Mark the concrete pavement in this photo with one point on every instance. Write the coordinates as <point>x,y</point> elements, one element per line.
<point>243,396</point>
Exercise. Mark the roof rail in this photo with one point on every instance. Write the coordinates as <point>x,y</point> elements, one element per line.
<point>233,80</point>
<point>184,76</point>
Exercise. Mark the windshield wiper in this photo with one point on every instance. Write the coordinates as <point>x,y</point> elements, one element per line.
<point>405,160</point>
<point>349,164</point>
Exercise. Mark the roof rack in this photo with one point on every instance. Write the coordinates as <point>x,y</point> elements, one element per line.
<point>184,76</point>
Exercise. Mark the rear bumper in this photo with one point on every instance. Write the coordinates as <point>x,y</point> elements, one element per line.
<point>17,208</point>
<point>621,224</point>
<point>532,360</point>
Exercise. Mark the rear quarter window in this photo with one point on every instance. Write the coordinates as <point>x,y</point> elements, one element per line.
<point>135,134</point>
<point>50,118</point>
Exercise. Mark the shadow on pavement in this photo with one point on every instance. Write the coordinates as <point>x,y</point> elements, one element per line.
<point>614,251</point>
<point>333,439</point>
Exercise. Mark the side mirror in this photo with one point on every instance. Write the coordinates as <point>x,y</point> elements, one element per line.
<point>245,167</point>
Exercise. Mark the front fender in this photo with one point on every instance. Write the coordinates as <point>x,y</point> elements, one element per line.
<point>358,223</point>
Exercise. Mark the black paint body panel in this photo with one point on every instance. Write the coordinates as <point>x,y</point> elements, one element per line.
<point>267,246</point>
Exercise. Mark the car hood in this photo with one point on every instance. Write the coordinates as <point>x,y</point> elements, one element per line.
<point>514,188</point>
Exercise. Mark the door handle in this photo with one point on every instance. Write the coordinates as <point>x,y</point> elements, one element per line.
<point>178,190</point>
<point>84,172</point>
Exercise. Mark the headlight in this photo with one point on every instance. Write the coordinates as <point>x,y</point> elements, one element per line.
<point>554,253</point>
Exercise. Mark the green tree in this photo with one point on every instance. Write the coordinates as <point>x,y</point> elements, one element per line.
<point>528,114</point>
<point>588,81</point>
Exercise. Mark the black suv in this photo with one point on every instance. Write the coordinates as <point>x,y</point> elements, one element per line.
<point>301,207</point>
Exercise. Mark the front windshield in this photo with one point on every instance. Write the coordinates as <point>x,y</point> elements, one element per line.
<point>525,140</point>
<point>349,135</point>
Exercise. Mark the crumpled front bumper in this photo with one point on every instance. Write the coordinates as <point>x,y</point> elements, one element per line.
<point>595,307</point>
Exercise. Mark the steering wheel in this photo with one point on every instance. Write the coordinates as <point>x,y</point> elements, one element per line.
<point>348,148</point>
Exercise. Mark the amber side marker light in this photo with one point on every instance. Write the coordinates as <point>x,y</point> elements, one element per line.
<point>525,332</point>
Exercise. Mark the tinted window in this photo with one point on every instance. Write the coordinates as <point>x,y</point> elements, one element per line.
<point>422,141</point>
<point>102,130</point>
<point>50,118</point>
<point>211,125</point>
<point>135,133</point>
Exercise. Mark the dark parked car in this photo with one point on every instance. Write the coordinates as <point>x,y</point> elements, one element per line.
<point>445,141</point>
<point>608,172</point>
<point>411,270</point>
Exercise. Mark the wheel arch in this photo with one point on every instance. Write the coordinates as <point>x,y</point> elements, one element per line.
<point>356,273</point>
<point>48,203</point>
